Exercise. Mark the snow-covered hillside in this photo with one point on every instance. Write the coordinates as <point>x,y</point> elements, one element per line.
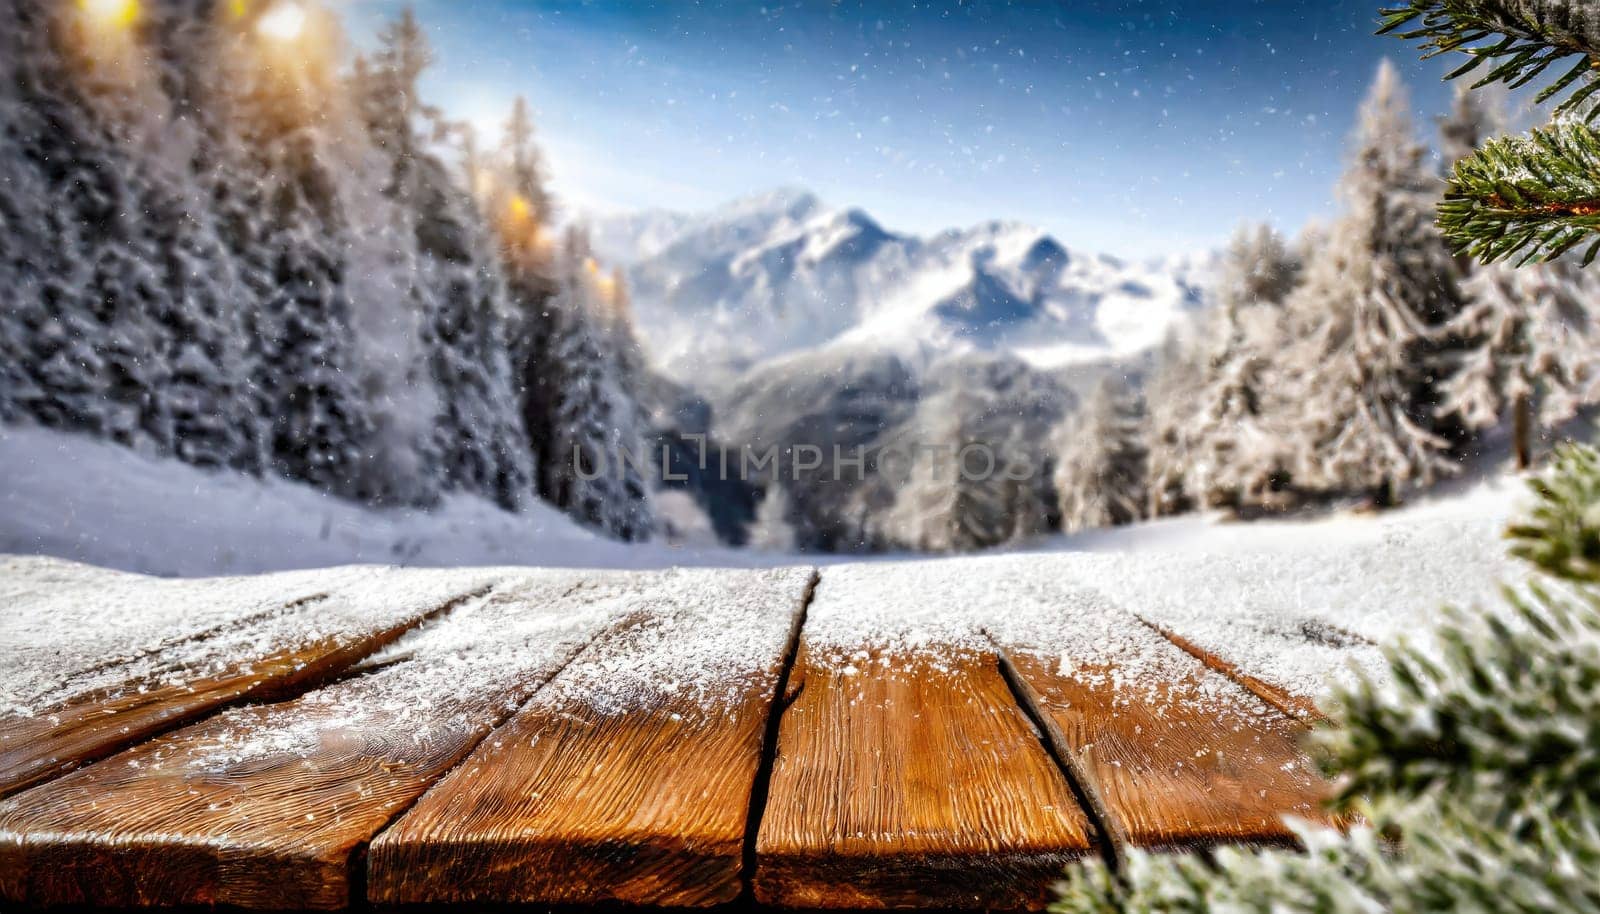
<point>782,272</point>
<point>80,498</point>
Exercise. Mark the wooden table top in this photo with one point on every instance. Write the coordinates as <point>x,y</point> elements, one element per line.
<point>943,734</point>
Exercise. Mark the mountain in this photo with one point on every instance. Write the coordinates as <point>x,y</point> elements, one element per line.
<point>780,273</point>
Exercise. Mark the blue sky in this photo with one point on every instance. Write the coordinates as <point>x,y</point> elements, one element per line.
<point>1130,127</point>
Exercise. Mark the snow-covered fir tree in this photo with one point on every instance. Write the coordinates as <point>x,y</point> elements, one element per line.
<point>593,462</point>
<point>1366,320</point>
<point>771,531</point>
<point>1172,415</point>
<point>584,424</point>
<point>1530,359</point>
<point>1475,116</point>
<point>22,209</point>
<point>280,159</point>
<point>1101,464</point>
<point>1238,456</point>
<point>969,484</point>
<point>93,355</point>
<point>476,436</point>
<point>1527,333</point>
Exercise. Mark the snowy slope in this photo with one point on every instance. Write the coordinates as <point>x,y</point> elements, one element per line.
<point>80,498</point>
<point>783,272</point>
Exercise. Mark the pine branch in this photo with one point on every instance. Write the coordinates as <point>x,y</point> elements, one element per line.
<point>1531,198</point>
<point>1561,535</point>
<point>1472,761</point>
<point>1519,40</point>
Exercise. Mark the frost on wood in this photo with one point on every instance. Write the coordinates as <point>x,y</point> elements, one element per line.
<point>85,631</point>
<point>461,673</point>
<point>1310,613</point>
<point>700,634</point>
<point>1035,603</point>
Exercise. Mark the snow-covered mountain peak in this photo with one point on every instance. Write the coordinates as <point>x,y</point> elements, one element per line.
<point>783,272</point>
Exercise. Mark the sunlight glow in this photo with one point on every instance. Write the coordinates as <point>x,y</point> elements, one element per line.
<point>521,209</point>
<point>285,22</point>
<point>111,14</point>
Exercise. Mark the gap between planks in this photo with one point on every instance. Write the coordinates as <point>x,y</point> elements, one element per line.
<point>358,859</point>
<point>145,718</point>
<point>530,821</point>
<point>1111,841</point>
<point>781,700</point>
<point>1104,792</point>
<point>1296,706</point>
<point>251,877</point>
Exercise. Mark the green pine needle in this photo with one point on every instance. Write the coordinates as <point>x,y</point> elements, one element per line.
<point>1518,40</point>
<point>1561,535</point>
<point>1529,198</point>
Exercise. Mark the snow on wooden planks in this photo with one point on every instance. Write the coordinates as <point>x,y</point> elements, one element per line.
<point>1168,752</point>
<point>267,806</point>
<point>1285,625</point>
<point>97,660</point>
<point>630,777</point>
<point>906,774</point>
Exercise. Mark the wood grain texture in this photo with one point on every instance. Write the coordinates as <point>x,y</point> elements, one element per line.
<point>1165,751</point>
<point>100,662</point>
<point>1166,770</point>
<point>267,806</point>
<point>912,780</point>
<point>627,779</point>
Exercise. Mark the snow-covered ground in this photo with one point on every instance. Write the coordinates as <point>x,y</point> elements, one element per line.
<point>79,498</point>
<point>1370,575</point>
<point>84,499</point>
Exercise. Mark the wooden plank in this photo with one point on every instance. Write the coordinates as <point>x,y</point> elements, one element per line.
<point>1283,625</point>
<point>629,778</point>
<point>1299,706</point>
<point>905,774</point>
<point>98,661</point>
<point>1168,752</point>
<point>268,806</point>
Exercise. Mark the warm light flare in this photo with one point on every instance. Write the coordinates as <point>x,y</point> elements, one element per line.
<point>521,209</point>
<point>111,14</point>
<point>285,22</point>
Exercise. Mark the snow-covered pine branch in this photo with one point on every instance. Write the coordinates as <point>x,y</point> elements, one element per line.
<point>1533,197</point>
